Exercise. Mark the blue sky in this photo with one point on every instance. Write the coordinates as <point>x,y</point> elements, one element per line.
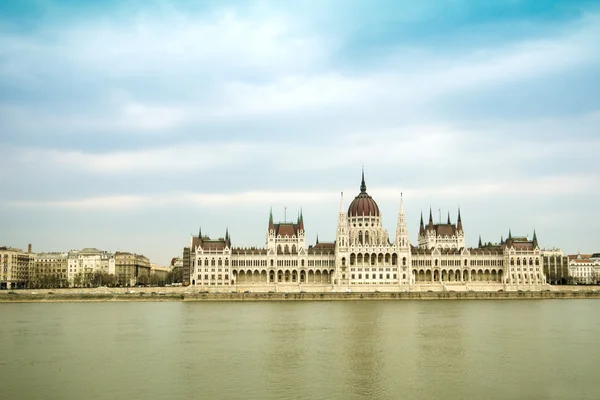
<point>127,125</point>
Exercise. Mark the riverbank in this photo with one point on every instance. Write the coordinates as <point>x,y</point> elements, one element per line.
<point>74,295</point>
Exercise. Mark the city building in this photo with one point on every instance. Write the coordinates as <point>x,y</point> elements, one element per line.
<point>50,270</point>
<point>556,267</point>
<point>364,257</point>
<point>84,263</point>
<point>130,266</point>
<point>584,269</point>
<point>15,266</point>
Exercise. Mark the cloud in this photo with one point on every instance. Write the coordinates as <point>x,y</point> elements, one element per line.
<point>562,185</point>
<point>231,65</point>
<point>162,107</point>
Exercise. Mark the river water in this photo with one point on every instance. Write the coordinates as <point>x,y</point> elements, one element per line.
<point>547,349</point>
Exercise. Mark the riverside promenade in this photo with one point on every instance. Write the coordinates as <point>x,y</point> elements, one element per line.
<point>159,294</point>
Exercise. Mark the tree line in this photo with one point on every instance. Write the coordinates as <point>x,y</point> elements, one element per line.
<point>97,279</point>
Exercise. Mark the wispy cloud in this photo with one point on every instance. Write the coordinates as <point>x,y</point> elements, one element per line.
<point>162,106</point>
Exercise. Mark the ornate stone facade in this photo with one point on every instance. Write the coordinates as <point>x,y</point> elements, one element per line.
<point>364,258</point>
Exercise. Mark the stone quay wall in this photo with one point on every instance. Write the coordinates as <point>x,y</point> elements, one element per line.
<point>186,294</point>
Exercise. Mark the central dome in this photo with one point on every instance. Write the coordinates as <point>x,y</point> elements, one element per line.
<point>363,204</point>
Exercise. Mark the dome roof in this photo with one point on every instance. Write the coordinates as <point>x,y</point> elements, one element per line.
<point>363,204</point>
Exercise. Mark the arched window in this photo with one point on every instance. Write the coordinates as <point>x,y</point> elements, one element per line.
<point>366,237</point>
<point>360,238</point>
<point>403,260</point>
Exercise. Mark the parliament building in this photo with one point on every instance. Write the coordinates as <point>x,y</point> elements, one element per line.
<point>363,258</point>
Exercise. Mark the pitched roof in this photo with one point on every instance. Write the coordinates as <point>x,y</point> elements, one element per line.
<point>286,228</point>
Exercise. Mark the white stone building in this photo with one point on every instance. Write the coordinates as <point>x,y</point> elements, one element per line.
<point>584,268</point>
<point>88,261</point>
<point>364,258</point>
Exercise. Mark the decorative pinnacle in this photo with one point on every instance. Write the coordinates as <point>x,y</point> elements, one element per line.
<point>363,187</point>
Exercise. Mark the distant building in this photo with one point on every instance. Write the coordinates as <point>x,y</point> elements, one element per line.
<point>584,268</point>
<point>129,267</point>
<point>88,261</point>
<point>556,267</point>
<point>50,270</point>
<point>161,273</point>
<point>15,266</point>
<point>364,258</point>
<point>186,262</point>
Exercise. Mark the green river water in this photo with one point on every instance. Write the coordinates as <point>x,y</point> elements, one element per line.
<point>455,349</point>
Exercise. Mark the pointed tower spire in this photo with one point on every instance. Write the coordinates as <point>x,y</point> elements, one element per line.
<point>509,234</point>
<point>479,244</point>
<point>459,222</point>
<point>421,226</point>
<point>501,239</point>
<point>449,217</point>
<point>200,233</point>
<point>430,224</point>
<point>341,237</point>
<point>401,229</point>
<point>317,238</point>
<point>301,220</point>
<point>271,225</point>
<point>363,186</point>
<point>535,241</point>
<point>226,233</point>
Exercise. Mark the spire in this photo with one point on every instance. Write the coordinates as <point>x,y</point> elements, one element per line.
<point>200,233</point>
<point>459,222</point>
<point>226,233</point>
<point>479,245</point>
<point>421,226</point>
<point>430,224</point>
<point>271,225</point>
<point>342,203</point>
<point>301,220</point>
<point>363,187</point>
<point>317,238</point>
<point>501,239</point>
<point>448,217</point>
<point>401,203</point>
<point>509,234</point>
<point>535,241</point>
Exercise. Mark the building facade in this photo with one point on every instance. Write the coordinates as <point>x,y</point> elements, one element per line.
<point>364,257</point>
<point>50,270</point>
<point>15,267</point>
<point>86,262</point>
<point>129,267</point>
<point>556,267</point>
<point>584,269</point>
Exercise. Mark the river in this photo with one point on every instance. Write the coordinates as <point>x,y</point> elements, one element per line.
<point>454,349</point>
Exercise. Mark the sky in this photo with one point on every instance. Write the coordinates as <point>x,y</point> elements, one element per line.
<point>129,125</point>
